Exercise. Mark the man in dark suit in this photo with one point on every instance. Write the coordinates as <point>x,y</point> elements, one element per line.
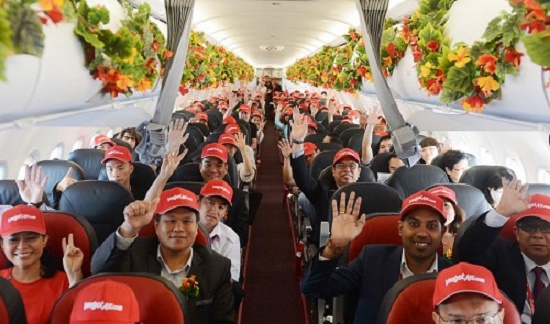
<point>173,253</point>
<point>378,267</point>
<point>521,268</point>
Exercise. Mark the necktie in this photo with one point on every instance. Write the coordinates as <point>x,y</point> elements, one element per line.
<point>213,239</point>
<point>539,285</point>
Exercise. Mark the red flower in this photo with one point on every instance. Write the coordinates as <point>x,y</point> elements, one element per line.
<point>533,27</point>
<point>391,49</point>
<point>434,86</point>
<point>512,56</point>
<point>55,14</point>
<point>488,62</point>
<point>417,53</point>
<point>473,104</point>
<point>433,46</point>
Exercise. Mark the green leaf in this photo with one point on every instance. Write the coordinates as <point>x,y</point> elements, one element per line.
<point>459,79</point>
<point>493,30</point>
<point>511,31</point>
<point>96,16</point>
<point>448,96</point>
<point>28,37</point>
<point>538,48</point>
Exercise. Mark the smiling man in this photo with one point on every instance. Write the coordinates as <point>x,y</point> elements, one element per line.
<point>521,268</point>
<point>378,267</point>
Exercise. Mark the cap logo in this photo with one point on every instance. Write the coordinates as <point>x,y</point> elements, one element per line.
<point>421,198</point>
<point>19,217</point>
<point>539,205</point>
<point>180,197</point>
<point>214,149</point>
<point>114,152</point>
<point>103,306</point>
<point>224,189</point>
<point>463,277</point>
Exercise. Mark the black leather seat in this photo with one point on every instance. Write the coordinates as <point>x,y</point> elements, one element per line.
<point>320,162</point>
<point>192,186</point>
<point>325,147</point>
<point>196,134</point>
<point>322,115</point>
<point>349,133</point>
<point>480,176</point>
<point>344,127</point>
<point>89,160</point>
<point>332,125</point>
<point>215,118</point>
<point>100,202</point>
<point>56,171</point>
<point>469,198</point>
<point>191,172</point>
<point>355,142</point>
<point>12,309</point>
<point>9,193</point>
<point>408,181</point>
<point>380,163</point>
<point>120,142</point>
<point>315,138</point>
<point>202,127</point>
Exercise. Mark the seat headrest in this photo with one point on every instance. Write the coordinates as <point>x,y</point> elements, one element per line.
<point>159,300</point>
<point>349,133</point>
<point>479,176</point>
<point>355,142</point>
<point>120,142</point>
<point>90,161</point>
<point>366,175</point>
<point>378,229</point>
<point>408,181</point>
<point>320,162</point>
<point>56,171</point>
<point>100,202</point>
<point>380,163</point>
<point>9,193</point>
<point>12,309</point>
<point>469,198</point>
<point>344,127</point>
<point>315,138</point>
<point>196,134</point>
<point>192,186</point>
<point>191,172</point>
<point>326,147</point>
<point>202,127</point>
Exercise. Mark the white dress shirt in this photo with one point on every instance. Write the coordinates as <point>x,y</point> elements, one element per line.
<point>226,242</point>
<point>406,272</point>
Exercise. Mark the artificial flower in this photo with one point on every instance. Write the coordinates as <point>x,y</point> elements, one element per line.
<point>488,63</point>
<point>461,57</point>
<point>512,56</point>
<point>473,104</point>
<point>426,69</point>
<point>189,287</point>
<point>143,85</point>
<point>433,46</point>
<point>487,85</point>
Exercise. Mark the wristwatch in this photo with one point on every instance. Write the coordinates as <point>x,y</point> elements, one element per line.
<point>297,142</point>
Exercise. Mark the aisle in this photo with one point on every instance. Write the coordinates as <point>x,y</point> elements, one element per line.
<point>272,293</point>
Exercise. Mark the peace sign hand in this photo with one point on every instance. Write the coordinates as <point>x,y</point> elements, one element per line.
<point>72,260</point>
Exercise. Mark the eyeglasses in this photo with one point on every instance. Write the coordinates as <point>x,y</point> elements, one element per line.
<point>532,228</point>
<point>341,166</point>
<point>478,319</point>
<point>128,138</point>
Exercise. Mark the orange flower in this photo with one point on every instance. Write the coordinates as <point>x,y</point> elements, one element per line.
<point>433,46</point>
<point>487,61</point>
<point>143,85</point>
<point>487,85</point>
<point>512,56</point>
<point>124,82</point>
<point>473,104</point>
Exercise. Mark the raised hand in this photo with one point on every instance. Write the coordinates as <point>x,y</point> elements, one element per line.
<point>285,148</point>
<point>72,260</point>
<point>515,198</point>
<point>137,215</point>
<point>241,142</point>
<point>314,109</point>
<point>66,181</point>
<point>346,223</point>
<point>299,126</point>
<point>32,190</point>
<point>176,138</point>
<point>170,163</point>
<point>374,113</point>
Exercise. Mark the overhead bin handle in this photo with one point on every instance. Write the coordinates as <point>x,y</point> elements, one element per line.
<point>372,14</point>
<point>179,16</point>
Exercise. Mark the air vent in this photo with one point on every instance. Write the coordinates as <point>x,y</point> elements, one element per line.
<point>271,48</point>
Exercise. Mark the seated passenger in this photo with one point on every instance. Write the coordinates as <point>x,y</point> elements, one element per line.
<point>105,301</point>
<point>131,136</point>
<point>378,267</point>
<point>454,163</point>
<point>492,189</point>
<point>172,254</point>
<point>102,142</point>
<point>244,114</point>
<point>385,145</point>
<point>521,268</point>
<point>33,271</point>
<point>430,149</point>
<point>455,217</point>
<point>394,163</point>
<point>247,168</point>
<point>201,118</point>
<point>311,125</point>
<point>467,293</point>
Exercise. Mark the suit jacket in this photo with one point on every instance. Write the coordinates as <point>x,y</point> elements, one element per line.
<point>215,301</point>
<point>481,245</point>
<point>237,216</point>
<point>372,274</point>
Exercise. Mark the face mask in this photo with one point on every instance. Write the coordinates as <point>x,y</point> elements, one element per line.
<point>496,195</point>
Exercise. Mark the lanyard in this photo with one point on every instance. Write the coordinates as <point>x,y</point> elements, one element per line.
<point>530,298</point>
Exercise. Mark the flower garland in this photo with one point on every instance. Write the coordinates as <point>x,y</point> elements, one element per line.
<point>6,45</point>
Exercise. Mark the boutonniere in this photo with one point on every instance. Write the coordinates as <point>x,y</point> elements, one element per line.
<point>189,287</point>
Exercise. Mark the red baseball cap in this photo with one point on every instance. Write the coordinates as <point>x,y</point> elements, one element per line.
<point>538,207</point>
<point>233,128</point>
<point>426,200</point>
<point>244,108</point>
<point>346,153</point>
<point>465,278</point>
<point>229,120</point>
<point>257,113</point>
<point>218,188</point>
<point>101,139</point>
<point>227,139</point>
<point>354,113</point>
<point>202,116</point>
<point>105,301</point>
<point>309,148</point>
<point>22,218</point>
<point>444,193</point>
<point>214,150</point>
<point>177,197</point>
<point>120,153</point>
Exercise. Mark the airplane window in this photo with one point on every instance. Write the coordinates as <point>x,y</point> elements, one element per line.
<point>33,157</point>
<point>543,175</point>
<point>485,157</point>
<point>79,143</point>
<point>3,170</point>
<point>516,166</point>
<point>111,132</point>
<point>57,152</point>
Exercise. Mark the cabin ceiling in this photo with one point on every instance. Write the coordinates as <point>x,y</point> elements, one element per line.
<point>289,29</point>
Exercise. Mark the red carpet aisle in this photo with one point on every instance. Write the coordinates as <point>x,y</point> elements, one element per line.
<point>272,293</point>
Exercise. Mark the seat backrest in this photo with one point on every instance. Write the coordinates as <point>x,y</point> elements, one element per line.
<point>214,119</point>
<point>315,138</point>
<point>349,133</point>
<point>322,115</point>
<point>469,198</point>
<point>100,202</point>
<point>343,127</point>
<point>325,147</point>
<point>379,228</point>
<point>408,181</point>
<point>196,134</point>
<point>159,300</point>
<point>380,163</point>
<point>143,176</point>
<point>90,161</point>
<point>332,125</point>
<point>202,127</point>
<point>355,142</point>
<point>120,142</point>
<point>478,176</point>
<point>12,309</point>
<point>56,171</point>
<point>320,162</point>
<point>414,295</point>
<point>9,193</point>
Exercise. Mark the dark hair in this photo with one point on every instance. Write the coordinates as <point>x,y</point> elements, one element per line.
<point>383,138</point>
<point>323,92</point>
<point>450,158</point>
<point>132,131</point>
<point>460,216</point>
<point>429,141</point>
<point>494,180</point>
